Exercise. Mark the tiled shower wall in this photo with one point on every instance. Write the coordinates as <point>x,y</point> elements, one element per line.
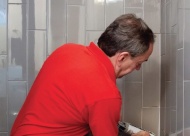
<point>31,29</point>
<point>175,56</point>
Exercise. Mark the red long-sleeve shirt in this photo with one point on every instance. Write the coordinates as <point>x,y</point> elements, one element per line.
<point>74,92</point>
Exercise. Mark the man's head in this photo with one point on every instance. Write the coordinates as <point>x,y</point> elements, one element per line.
<point>128,42</point>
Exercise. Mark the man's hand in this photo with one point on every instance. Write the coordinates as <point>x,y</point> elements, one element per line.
<point>141,133</point>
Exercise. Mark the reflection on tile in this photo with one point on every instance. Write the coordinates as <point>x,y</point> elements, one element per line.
<point>151,77</point>
<point>152,14</point>
<point>180,94</point>
<point>113,10</point>
<point>186,105</point>
<point>56,24</point>
<point>92,36</point>
<point>76,24</point>
<point>133,98</point>
<point>17,42</point>
<point>137,11</point>
<point>16,97</point>
<point>150,119</point>
<point>3,75</point>
<point>95,15</point>
<point>37,14</point>
<point>3,27</point>
<point>36,53</point>
<point>75,2</point>
<point>3,113</point>
<point>133,3</point>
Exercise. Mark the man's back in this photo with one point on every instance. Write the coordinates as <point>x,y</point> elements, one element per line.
<point>73,87</point>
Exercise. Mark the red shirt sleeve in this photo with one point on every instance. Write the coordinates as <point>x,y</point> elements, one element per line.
<point>104,116</point>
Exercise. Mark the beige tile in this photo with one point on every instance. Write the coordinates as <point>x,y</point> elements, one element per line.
<point>76,2</point>
<point>150,119</point>
<point>95,15</point>
<point>151,77</point>
<point>137,11</point>
<point>37,14</point>
<point>76,24</point>
<point>133,3</point>
<point>3,27</point>
<point>179,86</point>
<point>186,46</point>
<point>152,14</point>
<point>113,10</point>
<point>17,42</point>
<point>135,76</point>
<point>3,75</point>
<point>36,53</point>
<point>132,103</point>
<point>92,36</point>
<point>16,95</point>
<point>186,105</point>
<point>3,113</point>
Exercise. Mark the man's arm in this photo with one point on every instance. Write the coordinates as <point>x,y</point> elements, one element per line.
<point>104,116</point>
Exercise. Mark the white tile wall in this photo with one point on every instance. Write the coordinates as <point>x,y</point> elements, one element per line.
<point>177,68</point>
<point>37,28</point>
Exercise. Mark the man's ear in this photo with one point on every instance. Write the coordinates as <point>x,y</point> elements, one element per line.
<point>122,56</point>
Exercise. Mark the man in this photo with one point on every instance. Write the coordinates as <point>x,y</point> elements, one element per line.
<point>75,91</point>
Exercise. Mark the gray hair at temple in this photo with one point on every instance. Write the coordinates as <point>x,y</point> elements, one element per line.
<point>127,33</point>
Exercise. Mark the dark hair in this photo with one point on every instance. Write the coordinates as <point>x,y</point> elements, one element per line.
<point>126,33</point>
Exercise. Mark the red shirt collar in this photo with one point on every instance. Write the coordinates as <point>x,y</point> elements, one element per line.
<point>104,59</point>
